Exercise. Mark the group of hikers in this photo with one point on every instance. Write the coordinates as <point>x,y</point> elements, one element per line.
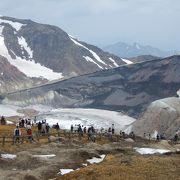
<point>92,132</point>
<point>160,136</point>
<point>23,123</point>
<point>43,129</point>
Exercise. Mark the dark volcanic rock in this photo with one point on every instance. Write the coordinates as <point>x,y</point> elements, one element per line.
<point>143,58</point>
<point>129,88</point>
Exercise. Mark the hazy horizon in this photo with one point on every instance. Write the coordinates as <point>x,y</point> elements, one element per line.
<point>105,22</point>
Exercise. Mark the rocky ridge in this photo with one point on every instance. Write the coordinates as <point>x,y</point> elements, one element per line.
<point>129,89</point>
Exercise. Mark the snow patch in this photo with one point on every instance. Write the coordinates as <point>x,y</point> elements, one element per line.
<point>72,36</point>
<point>96,160</point>
<point>127,61</point>
<point>85,164</point>
<point>1,30</point>
<point>92,52</point>
<point>65,171</point>
<point>46,157</point>
<point>9,122</point>
<point>15,25</point>
<point>86,117</point>
<point>151,150</point>
<point>91,60</point>
<point>23,44</point>
<point>8,156</point>
<point>29,68</point>
<point>114,62</point>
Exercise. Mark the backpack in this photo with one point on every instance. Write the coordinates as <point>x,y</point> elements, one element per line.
<point>17,132</point>
<point>29,131</point>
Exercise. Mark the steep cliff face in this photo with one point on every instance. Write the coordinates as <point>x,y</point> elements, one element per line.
<point>48,52</point>
<point>128,89</point>
<point>162,116</point>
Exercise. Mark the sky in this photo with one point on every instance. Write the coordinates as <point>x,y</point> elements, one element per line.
<point>104,22</point>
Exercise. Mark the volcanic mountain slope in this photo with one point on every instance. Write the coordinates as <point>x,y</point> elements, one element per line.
<point>11,79</point>
<point>129,88</point>
<point>162,116</point>
<point>143,58</point>
<point>48,52</point>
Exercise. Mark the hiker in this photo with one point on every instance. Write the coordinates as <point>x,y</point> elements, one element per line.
<point>120,134</point>
<point>93,136</point>
<point>132,135</point>
<point>109,130</point>
<point>123,135</point>
<point>3,120</point>
<point>110,133</point>
<point>39,127</point>
<point>28,126</point>
<point>175,137</point>
<point>29,134</point>
<point>80,131</point>
<point>149,136</point>
<point>84,130</point>
<point>17,134</point>
<point>47,128</point>
<point>144,135</point>
<point>102,130</point>
<point>72,128</point>
<point>157,137</point>
<point>22,122</point>
<point>163,136</point>
<point>89,133</point>
<point>57,127</point>
<point>43,128</point>
<point>113,130</point>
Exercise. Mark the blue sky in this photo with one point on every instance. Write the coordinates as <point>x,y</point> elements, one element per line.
<point>103,22</point>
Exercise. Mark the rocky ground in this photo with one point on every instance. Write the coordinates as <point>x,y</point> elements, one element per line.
<point>121,160</point>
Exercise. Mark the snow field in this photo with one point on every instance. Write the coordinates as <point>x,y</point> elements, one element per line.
<point>87,117</point>
<point>143,151</point>
<point>29,67</point>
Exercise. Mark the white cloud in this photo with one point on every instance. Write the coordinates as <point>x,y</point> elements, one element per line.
<point>144,21</point>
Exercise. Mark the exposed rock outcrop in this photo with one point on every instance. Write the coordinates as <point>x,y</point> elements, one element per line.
<point>162,116</point>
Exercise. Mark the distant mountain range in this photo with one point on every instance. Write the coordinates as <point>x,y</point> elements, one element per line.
<point>45,53</point>
<point>125,50</point>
